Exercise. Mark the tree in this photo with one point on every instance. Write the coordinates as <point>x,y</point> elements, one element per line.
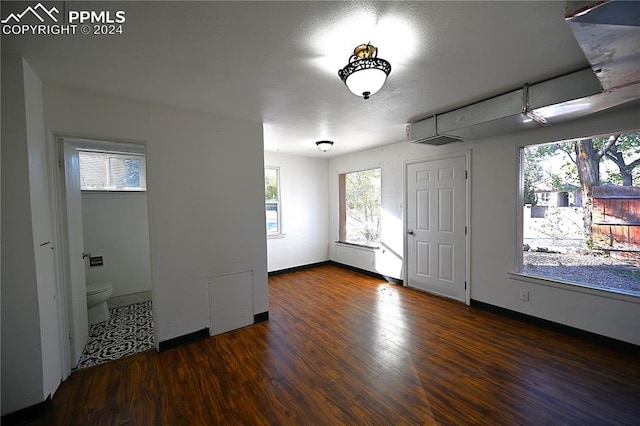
<point>587,159</point>
<point>363,205</point>
<point>625,145</point>
<point>270,184</point>
<point>131,175</point>
<point>532,173</point>
<point>586,155</point>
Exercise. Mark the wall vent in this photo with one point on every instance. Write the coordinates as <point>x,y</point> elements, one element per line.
<point>438,140</point>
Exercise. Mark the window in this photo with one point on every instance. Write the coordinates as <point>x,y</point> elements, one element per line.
<point>110,171</point>
<point>579,209</point>
<point>544,199</point>
<point>360,200</point>
<point>272,200</point>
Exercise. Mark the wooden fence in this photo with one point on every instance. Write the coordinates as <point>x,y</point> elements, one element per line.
<point>616,218</point>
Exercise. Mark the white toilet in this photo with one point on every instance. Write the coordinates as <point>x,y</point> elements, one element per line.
<point>97,295</point>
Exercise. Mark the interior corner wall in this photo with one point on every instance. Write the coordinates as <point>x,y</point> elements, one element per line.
<point>493,228</point>
<point>22,369</point>
<point>304,206</point>
<point>388,259</point>
<point>205,177</point>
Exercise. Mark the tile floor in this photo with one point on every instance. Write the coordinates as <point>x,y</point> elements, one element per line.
<point>128,331</point>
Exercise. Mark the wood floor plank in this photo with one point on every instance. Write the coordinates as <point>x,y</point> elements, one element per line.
<point>345,348</point>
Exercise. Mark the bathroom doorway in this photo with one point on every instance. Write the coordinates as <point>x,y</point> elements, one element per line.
<point>105,210</point>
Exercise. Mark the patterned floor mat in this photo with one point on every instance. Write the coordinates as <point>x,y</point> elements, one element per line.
<point>128,331</point>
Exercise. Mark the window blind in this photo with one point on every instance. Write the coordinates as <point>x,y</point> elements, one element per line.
<point>111,171</point>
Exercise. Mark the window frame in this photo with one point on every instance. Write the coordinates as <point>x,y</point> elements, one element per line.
<point>558,282</point>
<point>277,202</point>
<point>106,153</point>
<point>342,209</point>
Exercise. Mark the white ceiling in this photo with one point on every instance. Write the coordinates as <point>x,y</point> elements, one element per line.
<point>277,62</point>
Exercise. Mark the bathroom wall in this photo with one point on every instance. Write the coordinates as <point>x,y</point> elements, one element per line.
<point>116,227</point>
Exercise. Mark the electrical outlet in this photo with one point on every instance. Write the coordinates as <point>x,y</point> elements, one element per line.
<point>524,295</point>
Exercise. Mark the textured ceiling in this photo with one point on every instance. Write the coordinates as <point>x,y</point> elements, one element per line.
<point>277,62</point>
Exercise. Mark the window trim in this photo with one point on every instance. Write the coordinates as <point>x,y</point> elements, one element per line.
<point>520,211</point>
<point>520,275</point>
<point>278,202</point>
<point>358,246</point>
<point>342,210</point>
<point>575,287</point>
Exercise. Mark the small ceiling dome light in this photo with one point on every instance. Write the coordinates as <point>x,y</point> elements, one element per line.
<point>365,73</point>
<point>324,146</point>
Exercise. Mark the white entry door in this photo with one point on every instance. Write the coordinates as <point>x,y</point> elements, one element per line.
<point>437,226</point>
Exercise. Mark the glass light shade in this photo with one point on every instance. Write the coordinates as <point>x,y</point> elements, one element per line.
<point>324,145</point>
<point>366,82</point>
<point>365,73</point>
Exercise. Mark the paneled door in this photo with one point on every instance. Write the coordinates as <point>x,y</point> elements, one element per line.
<point>437,226</point>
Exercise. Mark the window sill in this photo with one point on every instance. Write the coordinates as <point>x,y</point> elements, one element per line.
<point>358,246</point>
<point>274,236</point>
<point>112,191</point>
<point>565,285</point>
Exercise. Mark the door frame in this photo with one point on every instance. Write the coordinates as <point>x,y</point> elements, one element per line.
<point>405,263</point>
<point>57,184</point>
<point>61,242</point>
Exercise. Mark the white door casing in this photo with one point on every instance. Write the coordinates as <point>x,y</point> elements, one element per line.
<point>436,226</point>
<point>79,329</point>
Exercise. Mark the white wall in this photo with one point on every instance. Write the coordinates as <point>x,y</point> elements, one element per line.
<point>304,200</point>
<point>116,227</point>
<point>31,363</point>
<point>493,228</point>
<point>494,247</point>
<point>21,356</point>
<point>205,181</point>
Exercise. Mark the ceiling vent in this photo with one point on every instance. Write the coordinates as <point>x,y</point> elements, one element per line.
<point>426,132</point>
<point>438,140</point>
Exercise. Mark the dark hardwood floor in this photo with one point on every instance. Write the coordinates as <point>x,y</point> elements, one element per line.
<point>345,348</point>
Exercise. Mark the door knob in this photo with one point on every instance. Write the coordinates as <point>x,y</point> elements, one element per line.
<point>410,231</point>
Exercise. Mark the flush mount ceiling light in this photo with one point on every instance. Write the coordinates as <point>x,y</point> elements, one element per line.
<point>365,73</point>
<point>324,146</point>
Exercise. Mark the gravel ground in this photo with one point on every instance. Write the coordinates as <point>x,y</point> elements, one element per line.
<point>594,270</point>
